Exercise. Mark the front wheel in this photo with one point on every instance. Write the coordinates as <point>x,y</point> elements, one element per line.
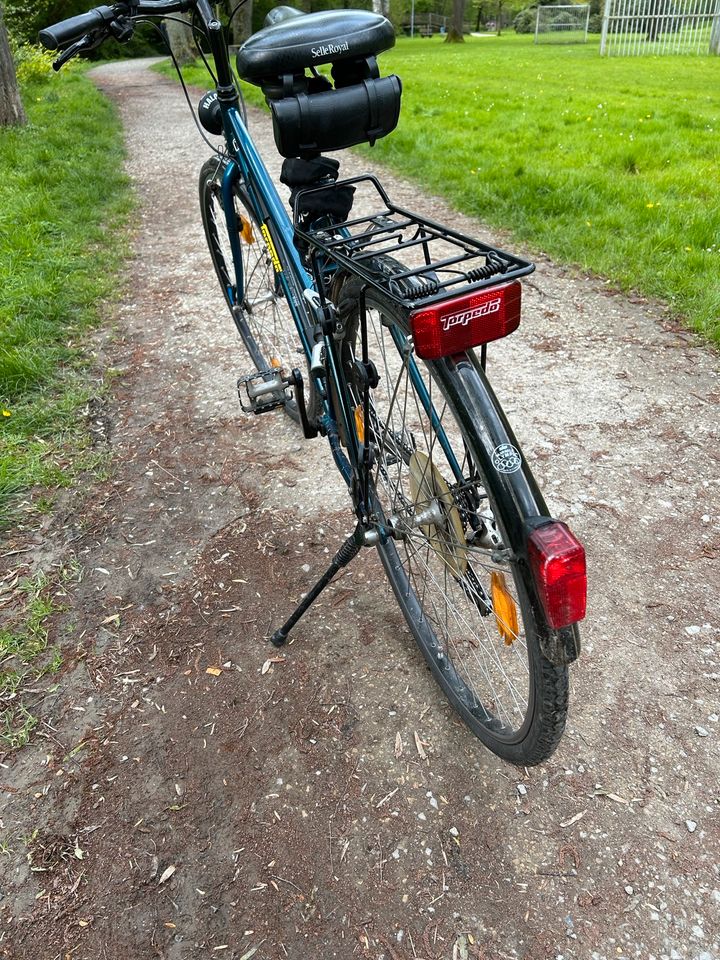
<point>258,304</point>
<point>468,600</point>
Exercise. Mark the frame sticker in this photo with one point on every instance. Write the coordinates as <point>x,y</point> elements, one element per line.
<point>277,266</point>
<point>506,458</point>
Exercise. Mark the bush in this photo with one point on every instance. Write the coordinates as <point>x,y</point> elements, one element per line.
<point>524,22</point>
<point>32,63</point>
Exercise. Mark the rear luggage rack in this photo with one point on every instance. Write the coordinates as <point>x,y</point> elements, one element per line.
<point>437,262</point>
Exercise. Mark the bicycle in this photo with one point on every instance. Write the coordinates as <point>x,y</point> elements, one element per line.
<point>365,328</point>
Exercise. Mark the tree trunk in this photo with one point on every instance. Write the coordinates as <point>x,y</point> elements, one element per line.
<point>382,7</point>
<point>180,39</point>
<point>11,108</point>
<point>455,33</point>
<point>241,26</point>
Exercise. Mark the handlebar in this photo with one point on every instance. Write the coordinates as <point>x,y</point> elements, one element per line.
<point>100,19</point>
<point>88,30</point>
<point>68,31</point>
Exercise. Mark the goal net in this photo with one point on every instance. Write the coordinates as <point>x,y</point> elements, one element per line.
<point>562,24</point>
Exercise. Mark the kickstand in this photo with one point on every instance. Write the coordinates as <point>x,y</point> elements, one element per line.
<point>342,558</point>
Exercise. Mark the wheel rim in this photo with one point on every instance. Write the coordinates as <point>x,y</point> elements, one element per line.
<point>265,311</point>
<point>464,600</point>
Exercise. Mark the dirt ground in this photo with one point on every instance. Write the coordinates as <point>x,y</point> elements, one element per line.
<point>190,794</point>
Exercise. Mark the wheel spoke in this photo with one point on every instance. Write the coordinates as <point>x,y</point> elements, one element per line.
<point>450,578</point>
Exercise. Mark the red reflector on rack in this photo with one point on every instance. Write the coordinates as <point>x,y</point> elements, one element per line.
<point>442,329</point>
<point>557,559</point>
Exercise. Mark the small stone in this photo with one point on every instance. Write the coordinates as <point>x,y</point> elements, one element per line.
<point>453,831</point>
<point>629,890</point>
<point>522,789</point>
<point>691,825</point>
<point>692,631</point>
<point>702,732</point>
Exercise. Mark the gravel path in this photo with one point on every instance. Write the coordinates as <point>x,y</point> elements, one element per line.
<point>273,790</point>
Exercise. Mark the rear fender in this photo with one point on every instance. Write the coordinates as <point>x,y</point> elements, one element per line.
<point>514,490</point>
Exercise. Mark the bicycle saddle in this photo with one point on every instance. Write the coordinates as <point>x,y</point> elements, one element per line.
<point>294,43</point>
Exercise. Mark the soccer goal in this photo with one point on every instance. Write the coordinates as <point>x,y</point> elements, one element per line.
<point>562,24</point>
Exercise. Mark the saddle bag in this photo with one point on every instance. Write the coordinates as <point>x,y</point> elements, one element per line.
<point>312,112</point>
<point>310,123</point>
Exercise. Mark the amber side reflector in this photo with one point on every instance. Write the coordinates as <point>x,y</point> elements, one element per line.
<point>557,559</point>
<point>359,423</point>
<point>443,329</point>
<point>504,608</point>
<point>247,231</point>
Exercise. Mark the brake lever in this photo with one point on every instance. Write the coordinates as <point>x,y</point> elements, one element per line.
<point>70,52</point>
<point>87,42</point>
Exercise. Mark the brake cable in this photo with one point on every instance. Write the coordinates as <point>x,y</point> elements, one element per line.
<point>152,20</point>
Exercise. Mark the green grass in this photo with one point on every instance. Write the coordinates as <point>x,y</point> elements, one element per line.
<point>607,163</point>
<point>25,658</point>
<point>610,164</point>
<point>64,201</point>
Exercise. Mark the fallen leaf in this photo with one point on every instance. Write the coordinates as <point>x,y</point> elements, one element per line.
<point>166,874</point>
<point>420,748</point>
<point>265,667</point>
<point>572,820</point>
<point>398,745</point>
<point>214,671</point>
<point>113,618</point>
<point>610,796</point>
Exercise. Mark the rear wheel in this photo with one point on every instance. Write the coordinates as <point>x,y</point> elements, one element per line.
<point>468,602</point>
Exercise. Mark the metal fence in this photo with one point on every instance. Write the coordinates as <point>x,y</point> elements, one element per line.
<point>636,27</point>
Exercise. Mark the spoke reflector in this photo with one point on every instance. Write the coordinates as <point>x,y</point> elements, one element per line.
<point>247,231</point>
<point>557,559</point>
<point>504,608</point>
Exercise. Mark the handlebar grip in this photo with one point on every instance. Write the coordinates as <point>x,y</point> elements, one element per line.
<point>63,33</point>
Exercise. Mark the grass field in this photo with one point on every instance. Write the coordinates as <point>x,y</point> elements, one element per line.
<point>610,164</point>
<point>63,205</point>
<point>64,201</point>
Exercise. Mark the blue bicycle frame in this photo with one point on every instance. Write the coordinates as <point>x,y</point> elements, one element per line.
<point>245,166</point>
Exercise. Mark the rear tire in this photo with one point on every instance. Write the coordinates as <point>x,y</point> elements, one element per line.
<point>468,601</point>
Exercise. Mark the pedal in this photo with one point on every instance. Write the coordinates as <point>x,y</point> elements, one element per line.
<point>265,390</point>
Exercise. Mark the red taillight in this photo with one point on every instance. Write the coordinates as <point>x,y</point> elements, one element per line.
<point>557,559</point>
<point>452,326</point>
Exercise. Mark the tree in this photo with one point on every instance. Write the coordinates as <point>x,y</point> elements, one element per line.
<point>241,25</point>
<point>180,38</point>
<point>455,33</point>
<point>11,108</point>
